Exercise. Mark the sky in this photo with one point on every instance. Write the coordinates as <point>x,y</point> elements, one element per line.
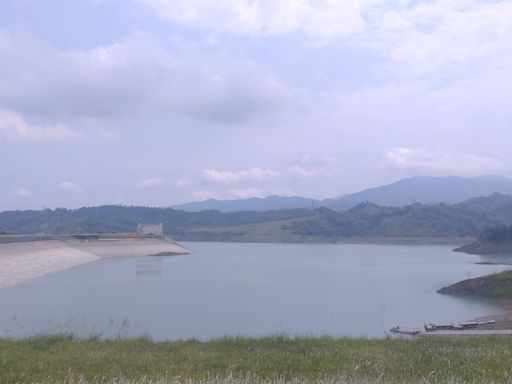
<point>155,102</point>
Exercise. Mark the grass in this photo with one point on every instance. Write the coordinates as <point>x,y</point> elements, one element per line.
<point>499,285</point>
<point>278,359</point>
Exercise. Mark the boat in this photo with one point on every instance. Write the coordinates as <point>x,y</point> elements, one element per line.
<point>471,324</point>
<point>406,331</point>
<point>489,322</point>
<point>431,327</point>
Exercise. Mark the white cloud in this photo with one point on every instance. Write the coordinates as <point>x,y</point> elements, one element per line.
<point>320,19</point>
<point>14,127</point>
<point>183,182</point>
<point>71,187</point>
<point>133,78</point>
<point>435,163</point>
<point>431,35</point>
<point>230,177</point>
<point>298,170</point>
<point>202,195</point>
<point>23,192</point>
<point>151,182</point>
<point>425,35</point>
<point>245,193</point>
<point>238,193</point>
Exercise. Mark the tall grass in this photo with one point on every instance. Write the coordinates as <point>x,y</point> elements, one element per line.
<point>63,359</point>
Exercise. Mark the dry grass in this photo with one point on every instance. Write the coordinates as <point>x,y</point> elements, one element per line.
<point>249,380</point>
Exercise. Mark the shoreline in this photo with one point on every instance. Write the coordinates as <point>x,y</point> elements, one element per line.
<point>24,258</point>
<point>374,240</point>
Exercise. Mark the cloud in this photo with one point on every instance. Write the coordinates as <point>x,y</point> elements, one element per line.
<point>425,35</point>
<point>230,177</point>
<point>435,163</point>
<point>70,187</point>
<point>202,195</point>
<point>298,170</point>
<point>14,127</point>
<point>151,182</point>
<point>320,19</point>
<point>434,35</point>
<point>183,182</point>
<point>245,193</point>
<point>238,193</point>
<point>23,192</point>
<point>134,78</point>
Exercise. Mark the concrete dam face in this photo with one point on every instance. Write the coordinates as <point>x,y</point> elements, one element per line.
<point>24,258</point>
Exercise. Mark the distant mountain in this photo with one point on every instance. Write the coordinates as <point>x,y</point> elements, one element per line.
<point>253,204</point>
<point>425,190</point>
<point>417,189</point>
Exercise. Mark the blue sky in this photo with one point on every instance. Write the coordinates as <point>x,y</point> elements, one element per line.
<point>159,102</point>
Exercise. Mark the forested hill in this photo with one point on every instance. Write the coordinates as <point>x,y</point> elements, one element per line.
<point>116,218</point>
<point>466,219</point>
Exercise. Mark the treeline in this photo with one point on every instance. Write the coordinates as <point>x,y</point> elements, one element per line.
<point>466,219</point>
<point>366,219</point>
<point>115,218</point>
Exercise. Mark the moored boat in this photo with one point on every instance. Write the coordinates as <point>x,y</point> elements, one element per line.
<point>471,324</point>
<point>489,322</point>
<point>406,331</point>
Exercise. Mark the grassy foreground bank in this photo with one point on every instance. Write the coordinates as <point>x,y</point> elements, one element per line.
<point>62,359</point>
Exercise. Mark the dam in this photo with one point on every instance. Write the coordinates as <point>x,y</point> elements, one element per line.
<point>26,257</point>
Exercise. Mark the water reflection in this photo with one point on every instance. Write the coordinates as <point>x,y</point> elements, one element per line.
<point>150,267</point>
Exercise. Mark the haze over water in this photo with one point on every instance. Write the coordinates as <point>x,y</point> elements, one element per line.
<point>249,290</point>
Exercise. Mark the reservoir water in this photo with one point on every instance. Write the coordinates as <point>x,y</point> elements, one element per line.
<point>249,290</point>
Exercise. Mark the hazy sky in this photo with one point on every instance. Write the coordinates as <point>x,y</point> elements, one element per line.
<point>159,102</point>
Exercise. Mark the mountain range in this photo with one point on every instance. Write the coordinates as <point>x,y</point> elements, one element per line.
<point>417,189</point>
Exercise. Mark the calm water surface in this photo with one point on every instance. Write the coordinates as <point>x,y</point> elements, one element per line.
<point>250,290</point>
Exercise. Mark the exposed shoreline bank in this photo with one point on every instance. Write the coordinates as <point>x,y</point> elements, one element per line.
<point>370,240</point>
<point>487,248</point>
<point>23,258</point>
